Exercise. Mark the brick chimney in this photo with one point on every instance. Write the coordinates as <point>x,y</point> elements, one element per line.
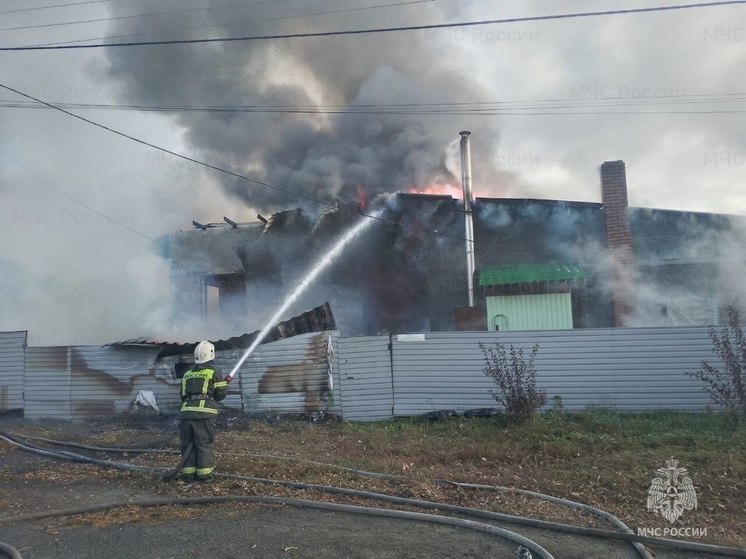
<point>618,239</point>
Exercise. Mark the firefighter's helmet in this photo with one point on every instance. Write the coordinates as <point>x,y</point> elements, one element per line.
<point>204,352</point>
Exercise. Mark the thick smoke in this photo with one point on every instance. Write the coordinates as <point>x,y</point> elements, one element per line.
<point>321,156</point>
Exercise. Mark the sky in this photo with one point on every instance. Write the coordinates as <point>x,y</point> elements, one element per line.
<point>662,91</point>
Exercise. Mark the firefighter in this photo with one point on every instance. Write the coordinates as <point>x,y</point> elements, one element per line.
<point>202,387</point>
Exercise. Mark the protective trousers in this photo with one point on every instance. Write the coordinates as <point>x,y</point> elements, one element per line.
<point>200,460</point>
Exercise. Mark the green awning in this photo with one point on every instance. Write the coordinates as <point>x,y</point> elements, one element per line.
<point>528,273</point>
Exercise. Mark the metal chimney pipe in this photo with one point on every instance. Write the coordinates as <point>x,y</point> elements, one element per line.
<point>468,219</point>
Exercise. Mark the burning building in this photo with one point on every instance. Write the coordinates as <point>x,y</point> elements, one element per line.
<point>538,264</point>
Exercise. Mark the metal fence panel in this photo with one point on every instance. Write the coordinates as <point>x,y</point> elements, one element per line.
<point>624,369</point>
<point>105,380</point>
<point>12,350</point>
<point>289,375</point>
<point>47,383</point>
<point>365,378</point>
<point>651,366</point>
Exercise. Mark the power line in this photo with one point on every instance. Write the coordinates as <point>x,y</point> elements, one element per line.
<point>572,106</point>
<point>204,164</point>
<point>53,6</point>
<point>574,15</point>
<point>164,150</point>
<point>149,14</point>
<point>198,162</point>
<point>261,20</point>
<point>74,199</point>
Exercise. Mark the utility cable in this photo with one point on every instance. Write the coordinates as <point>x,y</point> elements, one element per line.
<point>242,22</point>
<point>479,108</point>
<point>566,16</point>
<point>168,151</point>
<point>76,200</point>
<point>232,22</point>
<point>117,18</point>
<point>209,165</point>
<point>36,8</point>
<point>231,173</point>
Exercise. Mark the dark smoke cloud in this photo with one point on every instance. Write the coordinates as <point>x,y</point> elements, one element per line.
<point>322,156</point>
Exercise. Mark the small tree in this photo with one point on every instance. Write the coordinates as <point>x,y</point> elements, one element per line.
<point>727,387</point>
<point>514,376</point>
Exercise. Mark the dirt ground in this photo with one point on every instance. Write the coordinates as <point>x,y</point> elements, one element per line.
<point>31,484</point>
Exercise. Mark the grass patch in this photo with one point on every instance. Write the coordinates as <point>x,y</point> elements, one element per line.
<point>600,458</point>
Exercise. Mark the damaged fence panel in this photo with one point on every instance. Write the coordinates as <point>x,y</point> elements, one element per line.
<point>106,381</point>
<point>291,376</point>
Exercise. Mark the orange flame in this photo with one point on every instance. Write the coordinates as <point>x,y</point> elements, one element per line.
<point>437,189</point>
<point>361,200</point>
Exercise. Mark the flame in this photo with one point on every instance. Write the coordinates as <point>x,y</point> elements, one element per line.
<point>361,199</point>
<point>441,189</point>
<point>454,190</point>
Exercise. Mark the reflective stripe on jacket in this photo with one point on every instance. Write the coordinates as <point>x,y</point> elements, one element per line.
<point>201,389</point>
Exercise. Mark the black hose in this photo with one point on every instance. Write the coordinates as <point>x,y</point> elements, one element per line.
<point>576,530</point>
<point>9,551</point>
<point>644,553</point>
<point>184,455</point>
<point>544,524</point>
<point>302,503</point>
<point>100,448</point>
<point>74,457</point>
<point>82,458</point>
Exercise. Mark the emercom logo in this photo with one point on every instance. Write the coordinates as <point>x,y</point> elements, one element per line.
<point>672,493</point>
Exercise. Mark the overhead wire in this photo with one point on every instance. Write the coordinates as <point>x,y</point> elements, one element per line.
<point>480,108</point>
<point>74,199</point>
<point>198,162</point>
<point>37,8</point>
<point>414,227</point>
<point>241,22</point>
<point>249,179</point>
<point>393,29</point>
<point>165,150</point>
<point>175,12</point>
<point>221,169</point>
<point>135,16</point>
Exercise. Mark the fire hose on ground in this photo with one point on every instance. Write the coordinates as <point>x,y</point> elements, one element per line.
<point>580,531</point>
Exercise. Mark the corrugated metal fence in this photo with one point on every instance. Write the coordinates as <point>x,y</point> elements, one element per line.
<point>374,377</point>
<point>290,375</point>
<point>81,381</point>
<point>12,346</point>
<point>630,369</point>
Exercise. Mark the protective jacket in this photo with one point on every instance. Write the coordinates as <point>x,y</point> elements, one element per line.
<point>201,389</point>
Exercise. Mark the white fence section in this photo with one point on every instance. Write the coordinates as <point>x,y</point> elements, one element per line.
<point>47,383</point>
<point>626,369</point>
<point>373,377</point>
<point>366,378</point>
<point>12,346</point>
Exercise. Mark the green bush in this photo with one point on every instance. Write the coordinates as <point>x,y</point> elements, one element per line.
<point>726,387</point>
<point>514,376</point>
